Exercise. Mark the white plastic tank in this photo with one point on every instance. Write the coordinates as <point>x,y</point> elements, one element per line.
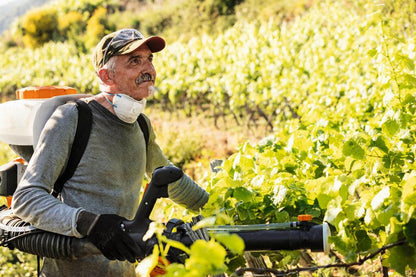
<point>17,116</point>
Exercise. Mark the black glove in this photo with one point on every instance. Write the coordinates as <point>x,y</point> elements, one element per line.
<point>108,236</point>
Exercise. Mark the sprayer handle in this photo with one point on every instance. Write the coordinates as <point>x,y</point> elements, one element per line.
<point>157,188</point>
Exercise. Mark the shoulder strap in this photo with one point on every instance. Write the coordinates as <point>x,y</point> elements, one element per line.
<point>82,134</point>
<point>145,129</point>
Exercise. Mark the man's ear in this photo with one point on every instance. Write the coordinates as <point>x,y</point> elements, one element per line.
<point>105,76</point>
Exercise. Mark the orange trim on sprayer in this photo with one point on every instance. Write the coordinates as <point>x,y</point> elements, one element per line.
<point>9,201</point>
<point>304,217</point>
<point>20,160</point>
<point>43,92</point>
<point>9,198</point>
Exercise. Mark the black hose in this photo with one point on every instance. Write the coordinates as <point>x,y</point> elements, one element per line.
<point>37,242</point>
<point>45,245</point>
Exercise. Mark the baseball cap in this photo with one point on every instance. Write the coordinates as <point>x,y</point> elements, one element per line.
<point>122,42</point>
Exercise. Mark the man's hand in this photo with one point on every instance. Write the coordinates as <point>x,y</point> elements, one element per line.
<point>106,233</point>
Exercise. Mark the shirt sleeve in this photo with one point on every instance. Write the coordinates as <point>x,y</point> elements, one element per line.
<point>188,193</point>
<point>32,201</point>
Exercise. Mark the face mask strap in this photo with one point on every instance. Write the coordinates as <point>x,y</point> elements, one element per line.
<point>108,100</point>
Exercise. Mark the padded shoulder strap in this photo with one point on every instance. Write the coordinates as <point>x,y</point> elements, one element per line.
<point>82,135</point>
<point>47,108</point>
<point>145,129</point>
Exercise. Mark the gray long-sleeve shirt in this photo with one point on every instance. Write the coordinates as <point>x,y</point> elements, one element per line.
<point>106,181</point>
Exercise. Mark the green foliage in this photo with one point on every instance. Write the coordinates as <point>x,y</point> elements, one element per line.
<point>252,10</point>
<point>198,264</point>
<point>154,21</point>
<point>63,21</point>
<point>248,69</point>
<point>340,90</point>
<point>344,152</point>
<point>170,19</point>
<point>15,263</point>
<point>183,19</point>
<point>6,154</point>
<point>39,26</point>
<point>96,27</point>
<point>52,64</point>
<point>348,159</point>
<point>215,8</point>
<point>86,7</point>
<point>71,25</point>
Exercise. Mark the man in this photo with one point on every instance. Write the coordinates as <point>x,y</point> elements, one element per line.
<point>105,186</point>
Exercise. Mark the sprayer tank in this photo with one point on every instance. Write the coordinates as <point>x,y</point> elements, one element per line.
<point>17,116</point>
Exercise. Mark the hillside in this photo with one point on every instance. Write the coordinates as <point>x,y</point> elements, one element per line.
<point>11,10</point>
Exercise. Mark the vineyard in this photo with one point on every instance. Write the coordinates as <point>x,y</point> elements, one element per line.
<point>336,88</point>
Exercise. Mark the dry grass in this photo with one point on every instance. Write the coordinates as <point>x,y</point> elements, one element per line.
<point>215,142</point>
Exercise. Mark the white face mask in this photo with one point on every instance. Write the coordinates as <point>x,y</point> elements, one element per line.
<point>127,108</point>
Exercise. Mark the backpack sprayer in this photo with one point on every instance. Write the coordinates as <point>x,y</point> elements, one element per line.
<point>15,233</point>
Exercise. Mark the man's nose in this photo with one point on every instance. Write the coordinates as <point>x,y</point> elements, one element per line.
<point>149,68</point>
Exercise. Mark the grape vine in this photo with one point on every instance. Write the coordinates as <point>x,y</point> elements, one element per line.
<point>338,91</point>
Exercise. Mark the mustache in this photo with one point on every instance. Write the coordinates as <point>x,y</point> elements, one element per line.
<point>145,78</point>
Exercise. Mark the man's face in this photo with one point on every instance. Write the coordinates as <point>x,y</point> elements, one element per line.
<point>134,73</point>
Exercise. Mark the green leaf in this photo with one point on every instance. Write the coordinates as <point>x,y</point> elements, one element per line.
<point>392,159</point>
<point>409,99</point>
<point>353,149</point>
<point>229,193</point>
<point>201,250</point>
<point>323,200</point>
<point>320,169</point>
<point>406,61</point>
<point>363,240</point>
<point>281,216</point>
<point>410,231</point>
<point>343,192</point>
<point>242,194</point>
<point>384,215</point>
<point>410,80</point>
<point>396,227</point>
<point>372,52</point>
<point>400,257</point>
<point>390,127</point>
<point>344,246</point>
<point>235,262</point>
<point>243,214</point>
<point>232,242</point>
<point>332,214</point>
<point>380,144</point>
